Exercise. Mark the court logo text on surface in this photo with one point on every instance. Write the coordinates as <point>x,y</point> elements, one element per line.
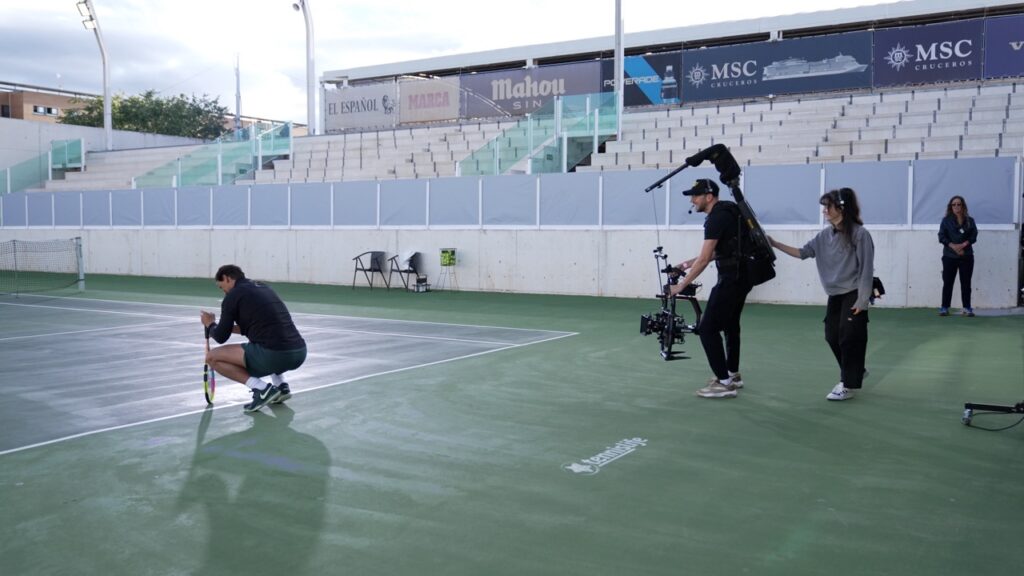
<point>593,465</point>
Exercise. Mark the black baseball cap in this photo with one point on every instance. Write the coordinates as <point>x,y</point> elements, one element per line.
<point>702,186</point>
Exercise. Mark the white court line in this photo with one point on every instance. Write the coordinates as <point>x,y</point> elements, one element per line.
<point>310,314</point>
<point>295,393</point>
<point>52,334</point>
<point>306,330</point>
<point>90,310</point>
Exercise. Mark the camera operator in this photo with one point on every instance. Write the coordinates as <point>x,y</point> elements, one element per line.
<point>845,255</point>
<point>722,313</point>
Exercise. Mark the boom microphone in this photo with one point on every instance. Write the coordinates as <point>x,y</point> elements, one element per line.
<point>719,155</point>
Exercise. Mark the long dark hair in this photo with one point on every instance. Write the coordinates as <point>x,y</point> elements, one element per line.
<point>949,207</point>
<point>845,199</point>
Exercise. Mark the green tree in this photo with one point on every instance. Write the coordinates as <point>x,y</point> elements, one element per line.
<point>174,116</point>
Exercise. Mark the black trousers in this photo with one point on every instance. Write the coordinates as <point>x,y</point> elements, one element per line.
<point>722,318</point>
<point>847,336</point>
<point>950,267</point>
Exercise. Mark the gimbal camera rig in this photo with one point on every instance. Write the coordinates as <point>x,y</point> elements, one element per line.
<point>670,326</point>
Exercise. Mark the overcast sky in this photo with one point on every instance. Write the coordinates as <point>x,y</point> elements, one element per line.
<point>190,46</point>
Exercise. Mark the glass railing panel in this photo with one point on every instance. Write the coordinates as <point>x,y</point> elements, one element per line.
<point>29,173</point>
<point>66,154</point>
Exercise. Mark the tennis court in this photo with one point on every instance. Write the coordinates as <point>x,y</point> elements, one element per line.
<point>468,433</point>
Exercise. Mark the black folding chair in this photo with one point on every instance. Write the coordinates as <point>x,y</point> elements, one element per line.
<point>408,267</point>
<point>370,263</point>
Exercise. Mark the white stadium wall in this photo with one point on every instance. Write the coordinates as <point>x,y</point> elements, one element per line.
<point>584,262</point>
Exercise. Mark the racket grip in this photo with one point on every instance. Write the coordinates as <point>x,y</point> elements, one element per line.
<point>207,330</point>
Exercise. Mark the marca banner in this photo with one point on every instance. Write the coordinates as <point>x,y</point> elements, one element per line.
<point>924,54</point>
<point>651,79</point>
<point>1004,47</point>
<point>428,99</point>
<point>365,106</point>
<point>517,92</point>
<point>835,62</point>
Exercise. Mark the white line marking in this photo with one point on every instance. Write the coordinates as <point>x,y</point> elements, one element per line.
<point>295,393</point>
<point>129,327</point>
<point>91,310</point>
<point>306,330</point>
<point>310,314</point>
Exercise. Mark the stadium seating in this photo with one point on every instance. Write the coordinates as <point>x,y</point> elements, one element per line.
<point>976,120</point>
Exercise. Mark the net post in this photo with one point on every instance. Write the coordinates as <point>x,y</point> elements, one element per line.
<point>81,267</point>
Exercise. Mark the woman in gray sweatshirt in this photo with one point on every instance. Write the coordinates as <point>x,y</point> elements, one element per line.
<point>845,255</point>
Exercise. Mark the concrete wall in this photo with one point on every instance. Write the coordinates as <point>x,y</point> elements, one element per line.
<point>23,139</point>
<point>587,262</point>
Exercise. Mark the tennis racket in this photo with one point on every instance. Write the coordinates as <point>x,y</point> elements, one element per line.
<point>209,376</point>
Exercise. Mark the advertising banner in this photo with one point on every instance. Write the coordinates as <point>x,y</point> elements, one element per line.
<point>365,106</point>
<point>517,92</point>
<point>1004,47</point>
<point>651,79</point>
<point>924,54</point>
<point>428,99</point>
<point>835,62</point>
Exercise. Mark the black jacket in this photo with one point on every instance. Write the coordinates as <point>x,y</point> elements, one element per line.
<point>950,231</point>
<point>261,317</point>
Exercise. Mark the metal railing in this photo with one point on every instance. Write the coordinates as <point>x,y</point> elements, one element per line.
<point>554,138</point>
<point>63,155</point>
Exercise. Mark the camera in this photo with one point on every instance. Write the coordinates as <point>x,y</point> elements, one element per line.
<point>670,326</point>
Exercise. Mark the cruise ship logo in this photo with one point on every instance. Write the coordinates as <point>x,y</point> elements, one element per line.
<point>801,68</point>
<point>697,75</point>
<point>898,57</point>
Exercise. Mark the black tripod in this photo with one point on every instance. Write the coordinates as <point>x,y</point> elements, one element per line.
<point>969,409</point>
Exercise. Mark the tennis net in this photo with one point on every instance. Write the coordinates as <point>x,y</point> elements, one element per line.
<point>40,265</point>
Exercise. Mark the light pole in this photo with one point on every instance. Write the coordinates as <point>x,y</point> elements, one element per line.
<point>303,5</point>
<point>90,22</point>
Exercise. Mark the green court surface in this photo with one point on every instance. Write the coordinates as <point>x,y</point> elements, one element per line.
<point>456,433</point>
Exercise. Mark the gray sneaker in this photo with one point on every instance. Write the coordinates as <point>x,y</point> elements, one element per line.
<point>716,389</point>
<point>261,398</point>
<point>736,380</point>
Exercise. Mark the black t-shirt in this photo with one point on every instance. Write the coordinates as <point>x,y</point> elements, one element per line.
<point>261,317</point>
<point>722,224</point>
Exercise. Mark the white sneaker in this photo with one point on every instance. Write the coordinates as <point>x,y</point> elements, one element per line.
<point>841,392</point>
<point>716,389</point>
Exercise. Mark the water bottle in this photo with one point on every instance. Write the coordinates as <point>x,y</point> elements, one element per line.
<point>669,87</point>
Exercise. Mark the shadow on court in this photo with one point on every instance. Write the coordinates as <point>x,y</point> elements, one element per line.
<point>260,493</point>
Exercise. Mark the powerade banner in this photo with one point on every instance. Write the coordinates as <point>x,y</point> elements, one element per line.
<point>925,54</point>
<point>517,92</point>
<point>428,99</point>
<point>651,79</point>
<point>365,106</point>
<point>1004,47</point>
<point>836,62</point>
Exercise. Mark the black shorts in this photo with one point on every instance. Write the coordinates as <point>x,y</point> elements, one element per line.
<point>260,361</point>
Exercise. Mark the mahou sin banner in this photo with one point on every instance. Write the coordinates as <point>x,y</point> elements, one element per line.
<point>926,54</point>
<point>517,92</point>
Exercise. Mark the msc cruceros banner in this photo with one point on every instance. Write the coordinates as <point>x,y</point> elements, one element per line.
<point>834,62</point>
<point>926,54</point>
<point>363,106</point>
<point>517,92</point>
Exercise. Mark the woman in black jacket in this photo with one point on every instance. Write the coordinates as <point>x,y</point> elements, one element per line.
<point>957,234</point>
